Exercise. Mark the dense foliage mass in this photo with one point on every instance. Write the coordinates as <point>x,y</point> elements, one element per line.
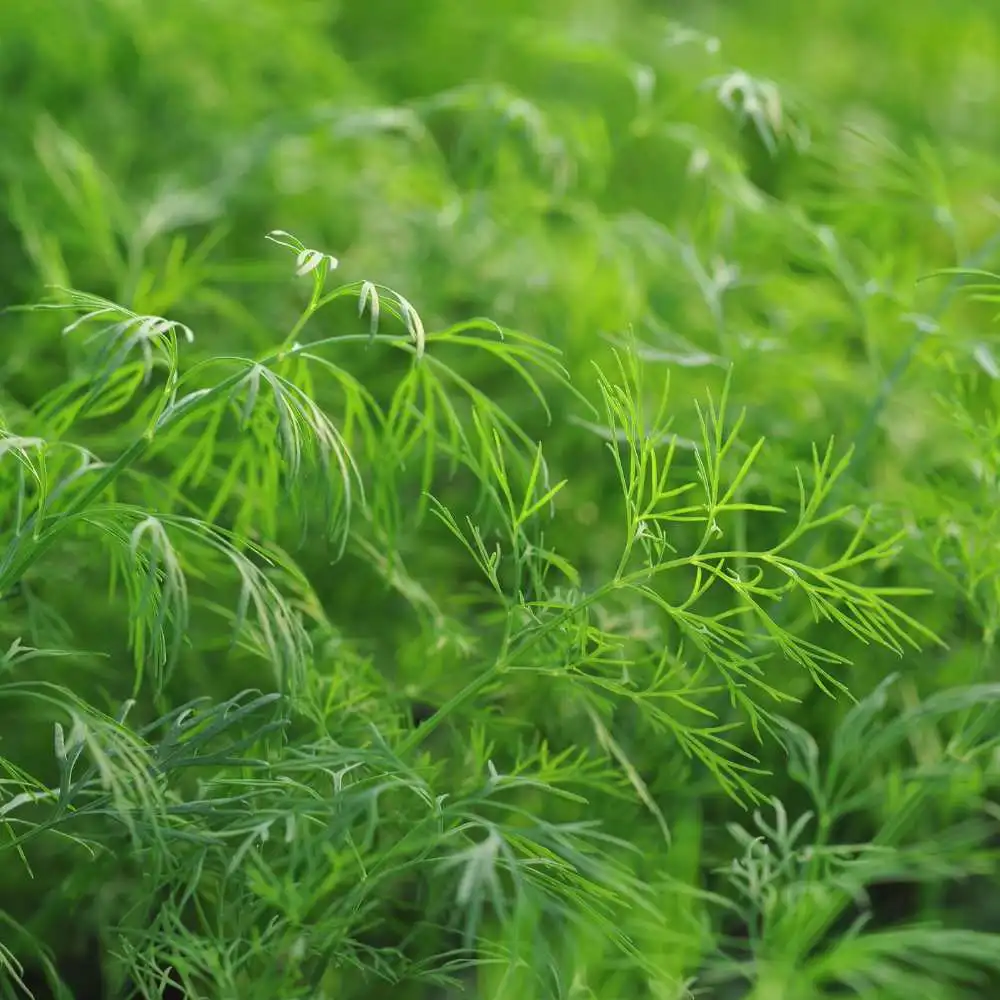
<point>499,500</point>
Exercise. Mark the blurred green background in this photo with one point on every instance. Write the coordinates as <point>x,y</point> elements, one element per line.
<point>765,185</point>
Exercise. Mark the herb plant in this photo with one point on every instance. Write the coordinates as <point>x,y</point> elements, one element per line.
<point>356,647</point>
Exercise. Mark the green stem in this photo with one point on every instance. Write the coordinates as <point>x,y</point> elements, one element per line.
<point>418,735</point>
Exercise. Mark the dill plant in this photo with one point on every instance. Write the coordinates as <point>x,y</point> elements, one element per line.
<point>260,844</point>
<point>221,773</point>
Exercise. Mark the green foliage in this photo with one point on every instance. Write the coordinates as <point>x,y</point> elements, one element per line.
<point>608,612</point>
